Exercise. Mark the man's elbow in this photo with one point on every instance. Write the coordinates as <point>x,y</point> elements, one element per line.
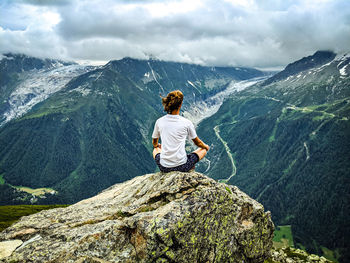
<point>155,141</point>
<point>197,141</point>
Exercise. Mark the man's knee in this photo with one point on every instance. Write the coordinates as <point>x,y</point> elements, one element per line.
<point>201,153</point>
<point>156,151</point>
<point>204,152</point>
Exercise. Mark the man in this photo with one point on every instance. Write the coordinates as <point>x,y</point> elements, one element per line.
<point>173,130</point>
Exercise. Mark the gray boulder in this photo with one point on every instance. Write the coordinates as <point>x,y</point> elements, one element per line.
<point>174,217</point>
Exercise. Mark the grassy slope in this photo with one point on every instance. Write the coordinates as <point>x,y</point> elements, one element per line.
<point>9,214</point>
<point>283,237</point>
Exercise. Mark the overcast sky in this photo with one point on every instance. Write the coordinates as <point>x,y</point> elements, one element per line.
<point>253,33</point>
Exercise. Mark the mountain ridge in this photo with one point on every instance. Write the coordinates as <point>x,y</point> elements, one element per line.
<point>319,58</point>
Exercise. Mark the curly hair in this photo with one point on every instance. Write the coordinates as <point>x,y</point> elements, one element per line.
<point>172,101</point>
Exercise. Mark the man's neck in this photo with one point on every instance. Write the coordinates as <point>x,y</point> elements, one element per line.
<point>175,112</point>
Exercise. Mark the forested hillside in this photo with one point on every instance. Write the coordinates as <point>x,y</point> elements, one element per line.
<point>96,130</point>
<point>286,143</point>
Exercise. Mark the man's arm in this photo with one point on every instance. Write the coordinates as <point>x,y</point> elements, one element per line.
<point>200,143</point>
<point>155,143</point>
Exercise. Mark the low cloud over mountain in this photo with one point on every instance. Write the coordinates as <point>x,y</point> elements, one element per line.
<point>208,32</point>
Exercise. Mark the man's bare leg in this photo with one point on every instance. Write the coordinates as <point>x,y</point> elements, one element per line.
<point>201,153</point>
<point>156,151</point>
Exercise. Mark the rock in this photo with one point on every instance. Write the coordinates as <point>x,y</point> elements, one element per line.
<point>7,247</point>
<point>174,217</point>
<point>23,232</point>
<point>293,255</point>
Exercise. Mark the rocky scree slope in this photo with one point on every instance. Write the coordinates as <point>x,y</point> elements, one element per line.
<point>174,217</point>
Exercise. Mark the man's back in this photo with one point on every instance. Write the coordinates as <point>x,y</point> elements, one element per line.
<point>173,131</point>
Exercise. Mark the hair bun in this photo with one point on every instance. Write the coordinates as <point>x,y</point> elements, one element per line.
<point>172,101</point>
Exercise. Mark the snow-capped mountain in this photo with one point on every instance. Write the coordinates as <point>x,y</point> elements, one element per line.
<point>323,65</point>
<point>320,78</point>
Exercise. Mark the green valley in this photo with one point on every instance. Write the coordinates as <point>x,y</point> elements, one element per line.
<point>283,237</point>
<point>291,151</point>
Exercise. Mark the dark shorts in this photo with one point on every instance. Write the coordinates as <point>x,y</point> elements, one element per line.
<point>192,159</point>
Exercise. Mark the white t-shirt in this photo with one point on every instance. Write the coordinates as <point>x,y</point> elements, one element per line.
<point>173,131</point>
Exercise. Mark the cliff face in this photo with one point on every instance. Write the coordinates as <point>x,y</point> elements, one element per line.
<point>175,217</point>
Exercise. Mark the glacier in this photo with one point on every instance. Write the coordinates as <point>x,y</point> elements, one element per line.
<point>38,85</point>
<point>201,110</point>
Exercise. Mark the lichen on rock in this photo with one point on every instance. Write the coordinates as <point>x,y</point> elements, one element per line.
<point>293,255</point>
<point>174,217</point>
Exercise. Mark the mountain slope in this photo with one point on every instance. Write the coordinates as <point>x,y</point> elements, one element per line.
<point>87,136</point>
<point>289,143</point>
<point>323,83</point>
<point>320,58</point>
<point>26,81</point>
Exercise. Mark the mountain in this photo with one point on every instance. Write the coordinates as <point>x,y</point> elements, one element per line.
<point>285,142</point>
<point>320,58</point>
<point>26,81</point>
<point>88,134</point>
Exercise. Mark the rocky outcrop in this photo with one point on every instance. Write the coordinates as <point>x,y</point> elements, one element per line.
<point>293,255</point>
<point>174,217</point>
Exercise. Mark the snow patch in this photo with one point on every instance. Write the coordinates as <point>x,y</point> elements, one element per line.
<point>154,77</point>
<point>342,71</point>
<point>189,82</point>
<point>147,77</point>
<point>341,58</point>
<point>307,151</point>
<point>82,90</point>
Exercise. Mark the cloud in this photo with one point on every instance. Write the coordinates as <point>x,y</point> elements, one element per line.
<point>250,33</point>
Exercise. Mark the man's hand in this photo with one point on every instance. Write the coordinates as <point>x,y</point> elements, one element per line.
<point>200,143</point>
<point>158,146</point>
<point>155,143</point>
